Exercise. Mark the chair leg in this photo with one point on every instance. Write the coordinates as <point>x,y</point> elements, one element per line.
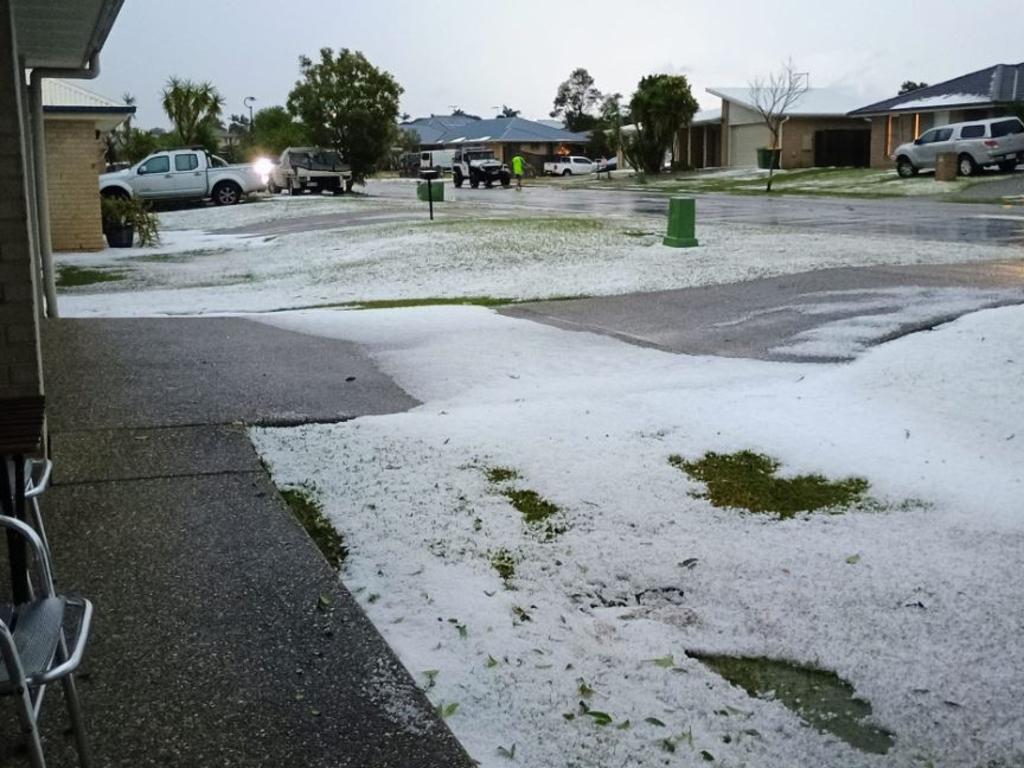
<point>26,715</point>
<point>74,709</point>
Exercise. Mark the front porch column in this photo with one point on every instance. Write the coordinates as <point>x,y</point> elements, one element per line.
<point>20,361</point>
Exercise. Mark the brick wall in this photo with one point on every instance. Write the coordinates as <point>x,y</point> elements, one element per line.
<point>798,137</point>
<point>20,370</point>
<point>73,164</point>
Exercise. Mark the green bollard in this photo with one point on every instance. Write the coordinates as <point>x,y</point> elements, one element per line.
<point>682,216</point>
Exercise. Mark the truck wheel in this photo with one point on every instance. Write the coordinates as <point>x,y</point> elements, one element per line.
<point>474,181</point>
<point>457,179</point>
<point>114,192</point>
<point>966,165</point>
<point>227,193</point>
<point>905,168</point>
<point>506,180</point>
<point>567,172</point>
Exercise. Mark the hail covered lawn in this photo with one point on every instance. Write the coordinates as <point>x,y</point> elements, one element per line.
<point>287,253</point>
<point>510,624</point>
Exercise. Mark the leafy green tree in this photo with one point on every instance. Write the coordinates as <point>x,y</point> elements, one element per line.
<point>194,109</point>
<point>575,101</point>
<point>910,85</point>
<point>273,131</point>
<point>349,105</point>
<point>660,107</point>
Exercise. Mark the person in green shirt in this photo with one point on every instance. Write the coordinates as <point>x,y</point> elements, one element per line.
<point>517,170</point>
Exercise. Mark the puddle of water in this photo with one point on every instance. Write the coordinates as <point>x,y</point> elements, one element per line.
<point>822,699</point>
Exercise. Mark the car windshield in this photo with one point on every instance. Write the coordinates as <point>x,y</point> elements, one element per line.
<point>486,155</point>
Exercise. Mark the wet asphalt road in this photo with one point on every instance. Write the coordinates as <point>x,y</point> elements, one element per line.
<point>918,219</point>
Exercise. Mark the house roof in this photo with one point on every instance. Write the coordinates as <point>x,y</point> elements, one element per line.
<point>707,117</point>
<point>62,33</point>
<point>68,99</point>
<point>815,102</point>
<point>459,130</point>
<point>992,85</point>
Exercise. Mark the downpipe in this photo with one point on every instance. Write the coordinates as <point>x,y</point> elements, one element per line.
<point>45,242</point>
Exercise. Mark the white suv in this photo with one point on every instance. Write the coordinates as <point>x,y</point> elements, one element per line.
<point>996,141</point>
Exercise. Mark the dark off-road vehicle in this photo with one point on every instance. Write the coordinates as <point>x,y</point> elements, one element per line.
<point>479,165</point>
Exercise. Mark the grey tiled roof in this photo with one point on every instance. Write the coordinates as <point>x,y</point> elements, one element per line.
<point>992,85</point>
<point>448,130</point>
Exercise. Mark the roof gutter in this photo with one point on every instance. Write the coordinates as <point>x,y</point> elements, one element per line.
<point>35,94</point>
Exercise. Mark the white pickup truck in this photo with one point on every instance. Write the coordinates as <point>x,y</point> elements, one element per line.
<point>569,166</point>
<point>979,143</point>
<point>183,174</point>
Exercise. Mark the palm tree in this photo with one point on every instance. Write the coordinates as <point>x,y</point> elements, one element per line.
<point>192,108</point>
<point>129,101</point>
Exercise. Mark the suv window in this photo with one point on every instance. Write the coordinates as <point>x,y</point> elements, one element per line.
<point>186,162</point>
<point>943,134</point>
<point>160,164</point>
<point>972,132</point>
<point>928,137</point>
<point>1007,128</point>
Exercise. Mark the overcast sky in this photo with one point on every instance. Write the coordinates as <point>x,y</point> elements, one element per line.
<point>516,52</point>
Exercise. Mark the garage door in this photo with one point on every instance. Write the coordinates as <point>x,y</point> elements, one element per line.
<point>744,141</point>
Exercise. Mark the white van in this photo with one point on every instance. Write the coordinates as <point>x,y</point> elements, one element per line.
<point>437,159</point>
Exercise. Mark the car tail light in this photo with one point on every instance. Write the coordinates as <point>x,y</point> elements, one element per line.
<point>992,143</point>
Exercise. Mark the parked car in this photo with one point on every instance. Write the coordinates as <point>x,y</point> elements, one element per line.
<point>439,160</point>
<point>409,164</point>
<point>478,165</point>
<point>188,173</point>
<point>310,169</point>
<point>569,165</point>
<point>977,144</point>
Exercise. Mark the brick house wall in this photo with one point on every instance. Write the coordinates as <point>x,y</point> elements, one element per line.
<point>73,164</point>
<point>20,366</point>
<point>798,137</point>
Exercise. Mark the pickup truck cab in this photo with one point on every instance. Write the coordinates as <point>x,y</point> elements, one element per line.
<point>569,166</point>
<point>189,173</point>
<point>978,143</point>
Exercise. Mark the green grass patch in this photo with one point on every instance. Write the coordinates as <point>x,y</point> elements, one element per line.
<point>747,480</point>
<point>498,475</point>
<point>537,511</point>
<point>821,698</point>
<point>504,563</point>
<point>310,514</point>
<point>69,276</point>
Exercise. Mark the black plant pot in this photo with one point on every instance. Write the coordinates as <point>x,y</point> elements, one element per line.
<point>120,237</point>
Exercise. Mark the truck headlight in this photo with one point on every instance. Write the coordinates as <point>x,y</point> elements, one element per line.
<point>263,168</point>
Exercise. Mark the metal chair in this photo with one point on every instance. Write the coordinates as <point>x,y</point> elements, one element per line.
<point>34,650</point>
<point>37,480</point>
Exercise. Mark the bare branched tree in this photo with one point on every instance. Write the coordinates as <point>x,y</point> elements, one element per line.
<point>773,98</point>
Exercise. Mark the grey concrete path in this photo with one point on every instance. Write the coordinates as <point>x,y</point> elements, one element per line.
<point>222,637</point>
<point>762,318</point>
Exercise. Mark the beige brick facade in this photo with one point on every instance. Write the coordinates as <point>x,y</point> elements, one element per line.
<point>73,164</point>
<point>798,137</point>
<point>20,367</point>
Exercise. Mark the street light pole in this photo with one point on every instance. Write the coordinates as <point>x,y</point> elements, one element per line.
<point>247,101</point>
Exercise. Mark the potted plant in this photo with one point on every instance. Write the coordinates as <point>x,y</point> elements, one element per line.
<point>123,218</point>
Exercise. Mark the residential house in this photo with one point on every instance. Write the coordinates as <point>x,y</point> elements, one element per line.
<point>817,130</point>
<point>75,120</point>
<point>988,92</point>
<point>507,136</point>
<point>699,145</point>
